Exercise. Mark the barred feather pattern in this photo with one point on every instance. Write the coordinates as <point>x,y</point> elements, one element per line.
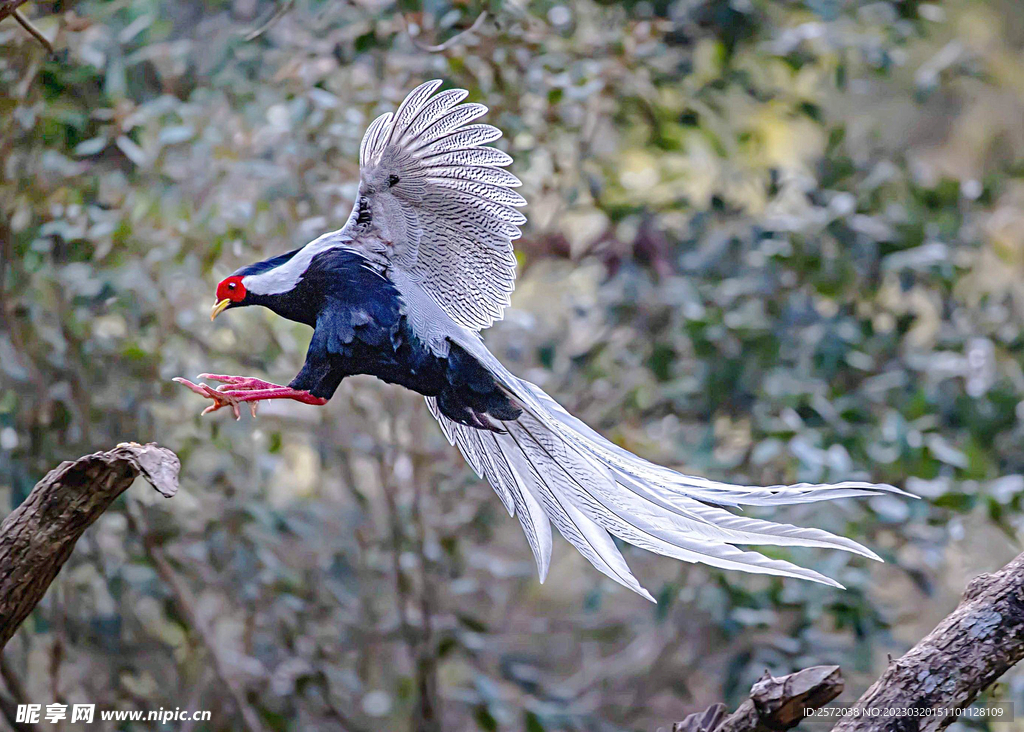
<point>440,199</point>
<point>564,473</point>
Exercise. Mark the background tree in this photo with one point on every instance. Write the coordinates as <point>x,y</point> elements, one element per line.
<point>786,242</point>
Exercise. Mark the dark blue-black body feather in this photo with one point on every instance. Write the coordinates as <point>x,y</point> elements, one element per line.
<point>360,327</point>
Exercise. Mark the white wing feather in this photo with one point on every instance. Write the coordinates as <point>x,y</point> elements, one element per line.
<point>441,204</point>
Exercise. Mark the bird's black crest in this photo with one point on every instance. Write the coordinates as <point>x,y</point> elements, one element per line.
<point>266,265</point>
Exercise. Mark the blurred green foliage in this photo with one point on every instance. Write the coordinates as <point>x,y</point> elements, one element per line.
<point>769,242</point>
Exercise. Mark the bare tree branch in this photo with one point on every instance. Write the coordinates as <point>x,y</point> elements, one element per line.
<point>945,672</point>
<point>9,706</point>
<point>775,704</point>
<point>965,654</point>
<point>7,7</point>
<point>278,13</point>
<point>39,535</point>
<point>10,7</point>
<point>33,31</point>
<point>453,41</point>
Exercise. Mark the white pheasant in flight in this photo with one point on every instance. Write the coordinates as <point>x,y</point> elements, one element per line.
<point>403,290</point>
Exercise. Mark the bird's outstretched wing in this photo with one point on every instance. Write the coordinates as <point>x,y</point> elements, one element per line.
<point>440,204</point>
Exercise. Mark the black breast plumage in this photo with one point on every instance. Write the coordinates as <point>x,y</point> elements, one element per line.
<point>360,327</point>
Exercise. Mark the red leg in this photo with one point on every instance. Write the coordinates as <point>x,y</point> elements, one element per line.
<point>237,389</point>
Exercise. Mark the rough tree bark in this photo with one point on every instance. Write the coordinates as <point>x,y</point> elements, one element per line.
<point>775,704</point>
<point>965,654</point>
<point>38,536</point>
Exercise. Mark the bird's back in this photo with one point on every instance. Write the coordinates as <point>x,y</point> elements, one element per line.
<point>365,323</point>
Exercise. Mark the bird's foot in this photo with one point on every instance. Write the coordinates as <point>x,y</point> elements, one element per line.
<point>220,398</point>
<point>237,389</point>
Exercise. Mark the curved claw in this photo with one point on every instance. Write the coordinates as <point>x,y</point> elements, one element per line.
<point>220,399</point>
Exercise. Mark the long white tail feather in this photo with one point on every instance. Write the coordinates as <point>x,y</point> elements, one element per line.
<point>642,506</point>
<point>432,112</point>
<point>529,502</point>
<point>409,108</point>
<point>487,458</point>
<point>579,479</point>
<point>693,486</point>
<point>592,490</point>
<point>578,529</point>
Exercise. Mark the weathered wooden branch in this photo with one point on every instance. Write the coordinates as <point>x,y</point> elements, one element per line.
<point>29,26</point>
<point>10,7</point>
<point>7,7</point>
<point>775,704</point>
<point>965,654</point>
<point>39,535</point>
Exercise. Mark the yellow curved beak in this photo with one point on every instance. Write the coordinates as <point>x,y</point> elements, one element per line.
<point>219,308</point>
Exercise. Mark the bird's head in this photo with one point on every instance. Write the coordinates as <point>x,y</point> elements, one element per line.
<point>231,292</point>
<point>269,283</point>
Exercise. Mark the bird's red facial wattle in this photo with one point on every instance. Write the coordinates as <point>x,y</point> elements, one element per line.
<point>230,292</point>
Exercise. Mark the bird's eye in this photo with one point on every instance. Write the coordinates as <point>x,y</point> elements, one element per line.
<point>231,285</point>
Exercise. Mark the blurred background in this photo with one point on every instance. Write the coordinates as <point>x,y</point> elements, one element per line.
<point>768,242</point>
